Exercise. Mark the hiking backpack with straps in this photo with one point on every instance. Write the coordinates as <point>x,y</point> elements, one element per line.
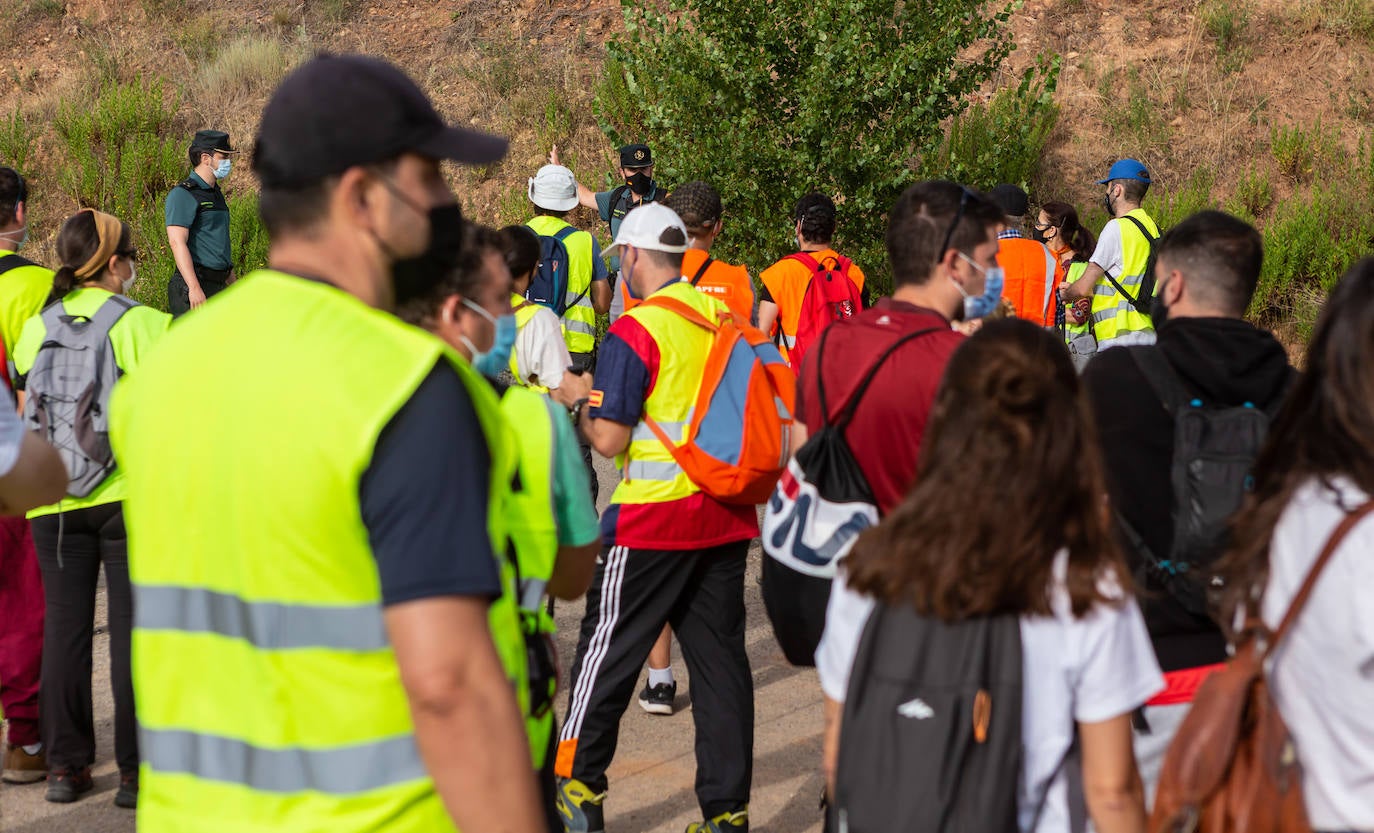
<point>737,439</point>
<point>830,296</point>
<point>821,504</point>
<point>1232,766</point>
<point>1144,298</point>
<point>1214,451</point>
<point>549,285</point>
<point>69,389</point>
<point>931,734</point>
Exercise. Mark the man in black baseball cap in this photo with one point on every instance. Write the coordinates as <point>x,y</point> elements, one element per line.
<point>348,471</point>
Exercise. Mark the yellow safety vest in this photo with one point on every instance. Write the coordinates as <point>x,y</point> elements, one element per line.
<point>1072,274</point>
<point>579,319</point>
<point>269,696</point>
<point>524,310</point>
<point>533,531</point>
<point>650,474</point>
<point>1115,321</point>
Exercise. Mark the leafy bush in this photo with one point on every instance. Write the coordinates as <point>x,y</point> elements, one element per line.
<point>1226,22</point>
<point>17,136</point>
<point>1254,193</point>
<point>770,99</point>
<point>1300,152</point>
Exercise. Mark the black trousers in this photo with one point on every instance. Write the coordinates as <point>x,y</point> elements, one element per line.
<point>701,593</point>
<point>89,538</point>
<point>212,282</point>
<point>586,363</point>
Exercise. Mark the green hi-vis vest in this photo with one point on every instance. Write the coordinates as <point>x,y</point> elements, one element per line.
<point>269,696</point>
<point>534,535</point>
<point>1116,322</point>
<point>1072,330</point>
<point>579,318</point>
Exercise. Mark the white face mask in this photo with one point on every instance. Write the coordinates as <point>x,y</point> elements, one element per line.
<point>129,281</point>
<point>223,168</point>
<point>23,236</point>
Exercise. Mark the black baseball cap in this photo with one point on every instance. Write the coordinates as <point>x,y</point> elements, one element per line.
<point>636,156</point>
<point>216,140</point>
<point>1011,199</point>
<point>339,111</point>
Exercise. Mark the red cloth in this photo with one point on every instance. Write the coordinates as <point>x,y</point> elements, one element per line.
<point>1181,686</point>
<point>21,630</point>
<point>886,433</point>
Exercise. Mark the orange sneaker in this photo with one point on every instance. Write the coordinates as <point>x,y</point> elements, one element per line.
<point>23,768</point>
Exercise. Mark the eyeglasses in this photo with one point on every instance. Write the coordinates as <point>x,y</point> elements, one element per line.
<point>958,216</point>
<point>1044,226</point>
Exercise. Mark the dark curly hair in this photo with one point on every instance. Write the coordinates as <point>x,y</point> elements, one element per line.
<point>816,213</point>
<point>1011,432</point>
<point>697,203</point>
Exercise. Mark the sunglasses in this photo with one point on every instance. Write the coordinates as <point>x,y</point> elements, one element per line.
<point>958,216</point>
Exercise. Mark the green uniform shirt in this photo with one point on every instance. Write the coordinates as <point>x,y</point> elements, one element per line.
<point>22,293</point>
<point>209,227</point>
<point>131,337</point>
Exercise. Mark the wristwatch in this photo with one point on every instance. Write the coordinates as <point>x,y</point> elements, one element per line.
<point>577,408</point>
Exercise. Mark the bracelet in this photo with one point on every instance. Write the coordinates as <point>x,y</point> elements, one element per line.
<point>578,405</point>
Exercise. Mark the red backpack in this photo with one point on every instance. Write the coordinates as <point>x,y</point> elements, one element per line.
<point>737,442</point>
<point>830,296</point>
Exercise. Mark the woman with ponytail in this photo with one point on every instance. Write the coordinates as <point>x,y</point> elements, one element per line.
<point>1316,468</point>
<point>1006,519</point>
<point>1071,244</point>
<point>84,530</point>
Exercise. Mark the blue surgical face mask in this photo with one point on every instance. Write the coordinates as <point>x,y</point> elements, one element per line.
<point>625,271</point>
<point>223,168</point>
<point>981,306</point>
<point>492,361</point>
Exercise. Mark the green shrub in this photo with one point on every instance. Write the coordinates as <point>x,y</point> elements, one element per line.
<point>1300,152</point>
<point>1133,120</point>
<point>1171,206</point>
<point>770,99</point>
<point>1226,22</point>
<point>247,235</point>
<point>248,67</point>
<point>1310,242</point>
<point>17,136</point>
<point>1254,193</point>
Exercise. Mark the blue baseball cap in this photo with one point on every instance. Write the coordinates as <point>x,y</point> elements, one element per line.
<point>1127,169</point>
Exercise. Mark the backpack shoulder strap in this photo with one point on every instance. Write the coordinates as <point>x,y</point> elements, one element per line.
<point>111,311</point>
<point>13,261</point>
<point>1161,376</point>
<point>564,233</point>
<point>617,195</point>
<point>701,272</point>
<point>1150,237</point>
<point>1332,544</point>
<point>806,260</point>
<point>847,413</point>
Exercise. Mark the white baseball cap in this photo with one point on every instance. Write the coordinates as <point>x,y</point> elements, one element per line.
<point>554,188</point>
<point>650,226</point>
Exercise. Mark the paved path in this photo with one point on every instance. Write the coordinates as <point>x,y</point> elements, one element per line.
<point>654,768</point>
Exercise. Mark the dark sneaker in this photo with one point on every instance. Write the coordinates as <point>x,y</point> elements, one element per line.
<point>658,699</point>
<point>23,768</point>
<point>723,823</point>
<point>127,797</point>
<point>579,808</point>
<point>65,785</point>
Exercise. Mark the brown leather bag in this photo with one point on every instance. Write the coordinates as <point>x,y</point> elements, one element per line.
<point>1232,767</point>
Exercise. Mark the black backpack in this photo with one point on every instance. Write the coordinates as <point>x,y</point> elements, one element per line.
<point>820,505</point>
<point>1143,299</point>
<point>930,741</point>
<point>1214,451</point>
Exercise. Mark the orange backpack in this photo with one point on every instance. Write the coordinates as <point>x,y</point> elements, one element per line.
<point>1232,767</point>
<point>737,441</point>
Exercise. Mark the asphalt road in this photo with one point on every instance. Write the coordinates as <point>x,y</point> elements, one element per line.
<point>654,768</point>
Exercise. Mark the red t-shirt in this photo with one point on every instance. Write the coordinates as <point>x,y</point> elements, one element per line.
<point>890,421</point>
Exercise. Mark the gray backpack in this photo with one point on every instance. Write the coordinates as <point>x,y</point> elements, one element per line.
<point>69,390</point>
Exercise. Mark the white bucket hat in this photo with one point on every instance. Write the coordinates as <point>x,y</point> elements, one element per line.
<point>554,188</point>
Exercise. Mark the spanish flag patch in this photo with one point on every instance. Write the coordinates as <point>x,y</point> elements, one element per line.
<point>595,398</point>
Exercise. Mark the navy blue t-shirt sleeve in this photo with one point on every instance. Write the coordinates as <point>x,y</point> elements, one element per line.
<point>599,272</point>
<point>622,381</point>
<point>425,497</point>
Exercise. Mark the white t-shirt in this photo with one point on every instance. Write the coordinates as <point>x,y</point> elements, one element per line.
<point>1073,670</point>
<point>11,434</point>
<point>541,351</point>
<point>1322,673</point>
<point>1110,254</point>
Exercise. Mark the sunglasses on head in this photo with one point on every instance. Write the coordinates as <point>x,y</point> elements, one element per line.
<point>958,217</point>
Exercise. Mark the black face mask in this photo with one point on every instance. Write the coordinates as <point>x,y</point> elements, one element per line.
<point>414,277</point>
<point>639,182</point>
<point>1037,235</point>
<point>1107,203</point>
<point>1159,311</point>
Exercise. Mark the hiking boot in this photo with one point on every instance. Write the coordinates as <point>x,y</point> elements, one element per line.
<point>723,823</point>
<point>579,808</point>
<point>658,699</point>
<point>127,797</point>
<point>64,785</point>
<point>23,768</point>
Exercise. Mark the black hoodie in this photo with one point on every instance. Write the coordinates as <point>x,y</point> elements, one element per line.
<point>1224,361</point>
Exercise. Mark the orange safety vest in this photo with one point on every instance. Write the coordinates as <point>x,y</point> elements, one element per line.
<point>787,281</point>
<point>721,280</point>
<point>1032,276</point>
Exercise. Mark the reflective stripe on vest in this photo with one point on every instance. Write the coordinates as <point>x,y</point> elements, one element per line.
<point>651,475</point>
<point>1115,318</point>
<point>269,696</point>
<point>579,319</point>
